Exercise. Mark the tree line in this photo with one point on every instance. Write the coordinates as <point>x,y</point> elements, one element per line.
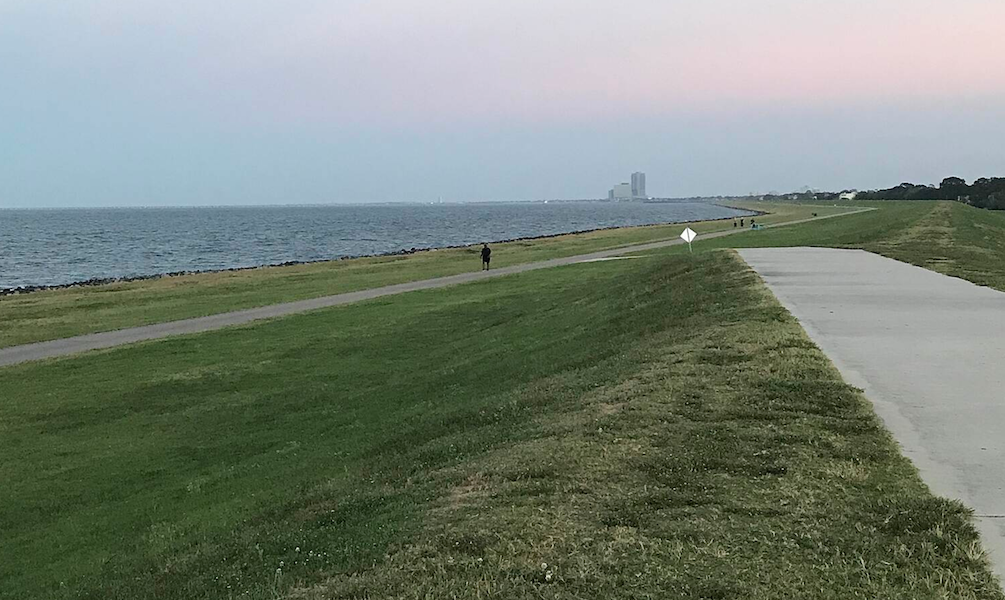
<point>986,192</point>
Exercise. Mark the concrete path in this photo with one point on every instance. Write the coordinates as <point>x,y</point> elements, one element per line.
<point>928,350</point>
<point>98,341</point>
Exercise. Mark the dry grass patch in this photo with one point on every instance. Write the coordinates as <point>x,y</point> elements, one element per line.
<point>640,429</point>
<point>731,462</point>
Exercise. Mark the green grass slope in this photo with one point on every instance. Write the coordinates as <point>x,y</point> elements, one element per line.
<point>953,239</point>
<point>629,429</point>
<point>63,313</point>
<point>948,237</point>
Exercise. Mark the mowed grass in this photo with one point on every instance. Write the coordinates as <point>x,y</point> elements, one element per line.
<point>887,222</point>
<point>953,239</point>
<point>947,237</point>
<point>632,429</point>
<point>63,313</point>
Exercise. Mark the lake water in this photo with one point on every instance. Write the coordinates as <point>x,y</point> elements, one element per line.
<point>54,247</point>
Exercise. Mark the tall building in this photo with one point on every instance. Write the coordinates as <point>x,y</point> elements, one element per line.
<point>636,190</point>
<point>639,185</point>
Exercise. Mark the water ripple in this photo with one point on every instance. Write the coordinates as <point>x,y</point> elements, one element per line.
<point>54,247</point>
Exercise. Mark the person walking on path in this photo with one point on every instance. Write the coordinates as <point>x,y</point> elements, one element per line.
<point>486,256</point>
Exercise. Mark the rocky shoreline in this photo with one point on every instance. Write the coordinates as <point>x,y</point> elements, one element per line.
<point>99,281</point>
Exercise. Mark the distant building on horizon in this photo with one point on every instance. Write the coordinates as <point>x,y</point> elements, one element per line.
<point>622,191</point>
<point>636,190</point>
<point>639,185</point>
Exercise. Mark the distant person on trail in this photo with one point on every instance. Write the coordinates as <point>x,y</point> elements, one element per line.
<point>741,221</point>
<point>486,256</point>
<point>734,222</point>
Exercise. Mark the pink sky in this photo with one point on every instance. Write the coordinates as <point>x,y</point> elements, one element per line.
<point>529,60</point>
<point>156,80</point>
<point>381,60</point>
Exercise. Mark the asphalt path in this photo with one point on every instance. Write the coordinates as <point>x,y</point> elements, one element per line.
<point>110,339</point>
<point>926,348</point>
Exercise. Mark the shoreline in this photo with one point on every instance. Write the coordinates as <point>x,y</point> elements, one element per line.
<point>99,281</point>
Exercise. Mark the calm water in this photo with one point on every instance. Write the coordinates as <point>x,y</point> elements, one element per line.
<point>51,247</point>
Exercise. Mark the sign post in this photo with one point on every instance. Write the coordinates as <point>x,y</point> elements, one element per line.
<point>688,236</point>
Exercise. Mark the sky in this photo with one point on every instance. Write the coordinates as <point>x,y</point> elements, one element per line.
<point>191,102</point>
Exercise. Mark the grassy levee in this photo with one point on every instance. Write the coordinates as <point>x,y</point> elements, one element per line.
<point>630,429</point>
<point>947,237</point>
<point>953,239</point>
<point>63,313</point>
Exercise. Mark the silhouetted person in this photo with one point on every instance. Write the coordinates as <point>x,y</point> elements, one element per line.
<point>741,222</point>
<point>752,224</point>
<point>734,222</point>
<point>486,256</point>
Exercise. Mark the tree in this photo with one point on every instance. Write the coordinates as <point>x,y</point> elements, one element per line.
<point>953,187</point>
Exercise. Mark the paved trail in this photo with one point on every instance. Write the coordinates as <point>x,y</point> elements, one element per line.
<point>926,348</point>
<point>97,341</point>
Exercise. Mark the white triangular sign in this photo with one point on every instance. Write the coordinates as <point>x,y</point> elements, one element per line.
<point>688,235</point>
